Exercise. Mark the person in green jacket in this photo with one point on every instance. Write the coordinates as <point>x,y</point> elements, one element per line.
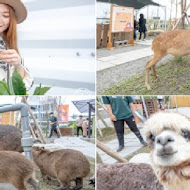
<point>120,111</point>
<point>53,124</point>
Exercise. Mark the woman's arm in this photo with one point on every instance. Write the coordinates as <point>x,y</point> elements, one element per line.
<point>112,116</point>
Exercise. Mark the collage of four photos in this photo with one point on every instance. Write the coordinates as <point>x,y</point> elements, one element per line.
<point>95,95</point>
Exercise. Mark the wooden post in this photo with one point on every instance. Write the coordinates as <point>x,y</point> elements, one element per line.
<point>105,124</point>
<point>102,106</point>
<point>35,121</point>
<point>32,131</point>
<point>57,110</point>
<point>111,153</point>
<point>105,110</point>
<point>109,44</point>
<point>98,127</point>
<point>182,16</point>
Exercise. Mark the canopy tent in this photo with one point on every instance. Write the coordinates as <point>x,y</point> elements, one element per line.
<point>137,4</point>
<point>86,106</point>
<point>83,105</point>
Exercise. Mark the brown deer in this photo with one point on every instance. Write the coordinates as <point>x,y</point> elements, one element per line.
<point>176,43</point>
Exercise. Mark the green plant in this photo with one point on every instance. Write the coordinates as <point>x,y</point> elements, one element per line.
<point>16,86</point>
<point>74,126</point>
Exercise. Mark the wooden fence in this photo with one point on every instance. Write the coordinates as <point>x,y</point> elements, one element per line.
<point>102,36</point>
<point>7,118</point>
<point>182,101</point>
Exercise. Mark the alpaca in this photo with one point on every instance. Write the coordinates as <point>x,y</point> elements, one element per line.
<point>168,136</point>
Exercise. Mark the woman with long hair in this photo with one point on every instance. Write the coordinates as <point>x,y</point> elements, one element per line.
<point>12,12</point>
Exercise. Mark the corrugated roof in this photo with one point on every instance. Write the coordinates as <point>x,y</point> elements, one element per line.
<point>137,4</point>
<point>83,105</point>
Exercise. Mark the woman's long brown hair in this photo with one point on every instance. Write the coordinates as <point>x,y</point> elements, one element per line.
<point>10,35</point>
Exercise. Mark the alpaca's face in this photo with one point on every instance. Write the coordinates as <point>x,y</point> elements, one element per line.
<point>168,136</point>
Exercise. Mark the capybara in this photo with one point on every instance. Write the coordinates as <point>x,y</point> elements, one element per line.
<point>10,138</point>
<point>16,169</point>
<point>66,165</point>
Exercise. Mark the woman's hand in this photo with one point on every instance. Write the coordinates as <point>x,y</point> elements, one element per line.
<point>113,118</point>
<point>11,57</point>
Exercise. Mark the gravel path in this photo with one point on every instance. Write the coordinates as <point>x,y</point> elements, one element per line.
<point>104,52</point>
<point>105,79</point>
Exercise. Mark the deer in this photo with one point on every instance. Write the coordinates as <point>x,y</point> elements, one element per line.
<point>176,43</point>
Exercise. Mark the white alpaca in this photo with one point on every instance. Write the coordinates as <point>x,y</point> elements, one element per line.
<point>168,136</point>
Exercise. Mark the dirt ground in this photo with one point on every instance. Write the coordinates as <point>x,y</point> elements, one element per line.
<point>53,183</point>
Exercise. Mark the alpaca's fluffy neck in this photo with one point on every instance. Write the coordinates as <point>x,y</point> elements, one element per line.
<point>174,178</point>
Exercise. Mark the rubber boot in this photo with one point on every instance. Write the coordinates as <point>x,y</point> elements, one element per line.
<point>121,142</point>
<point>139,136</point>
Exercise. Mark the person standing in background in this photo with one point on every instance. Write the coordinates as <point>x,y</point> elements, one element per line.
<point>53,124</point>
<point>135,29</point>
<point>121,110</point>
<point>142,26</point>
<point>79,123</point>
<point>85,127</point>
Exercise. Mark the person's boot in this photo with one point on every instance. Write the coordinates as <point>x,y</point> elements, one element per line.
<point>139,136</point>
<point>121,142</point>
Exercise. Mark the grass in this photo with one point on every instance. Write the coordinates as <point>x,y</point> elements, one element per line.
<point>53,183</point>
<point>173,79</point>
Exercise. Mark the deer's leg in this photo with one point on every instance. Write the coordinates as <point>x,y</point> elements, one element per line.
<point>154,71</point>
<point>150,64</point>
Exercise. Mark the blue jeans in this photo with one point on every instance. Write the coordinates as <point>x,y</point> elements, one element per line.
<point>134,34</point>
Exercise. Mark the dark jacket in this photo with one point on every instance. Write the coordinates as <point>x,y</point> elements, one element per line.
<point>142,25</point>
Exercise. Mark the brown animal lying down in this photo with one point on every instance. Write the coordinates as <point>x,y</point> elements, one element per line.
<point>66,165</point>
<point>126,176</point>
<point>168,136</point>
<point>176,43</point>
<point>17,170</point>
<point>10,138</point>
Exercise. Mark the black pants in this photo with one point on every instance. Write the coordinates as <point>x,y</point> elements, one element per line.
<point>54,129</point>
<point>78,129</point>
<point>160,103</point>
<point>119,127</point>
<point>141,35</point>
